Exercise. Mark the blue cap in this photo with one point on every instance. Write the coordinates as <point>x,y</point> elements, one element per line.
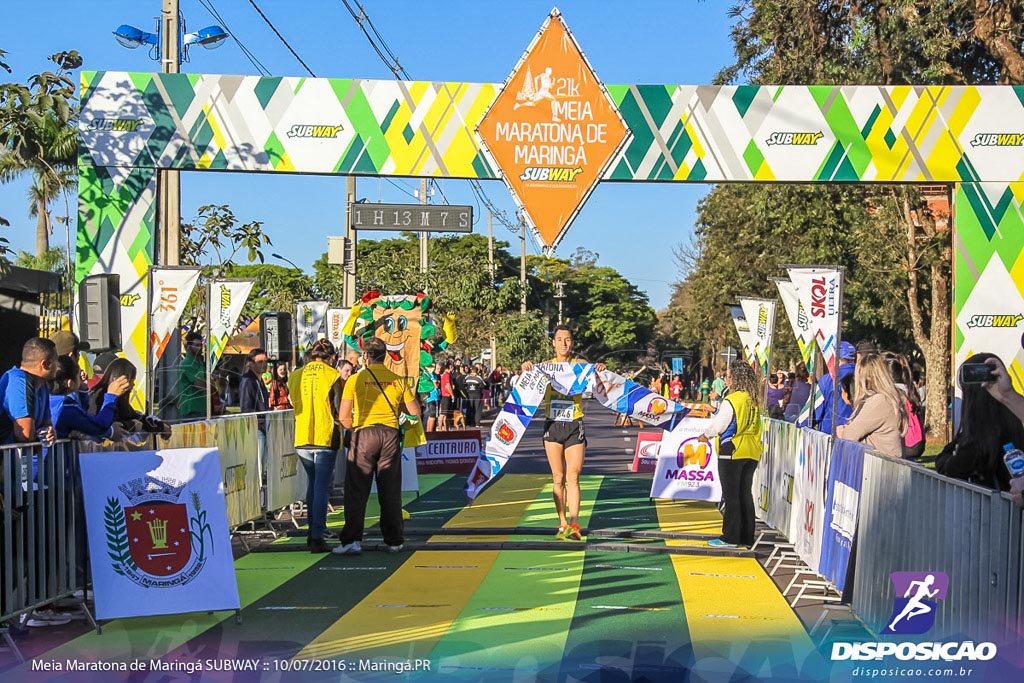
<point>847,351</point>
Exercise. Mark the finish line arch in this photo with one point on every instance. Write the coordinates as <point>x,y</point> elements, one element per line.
<point>972,137</point>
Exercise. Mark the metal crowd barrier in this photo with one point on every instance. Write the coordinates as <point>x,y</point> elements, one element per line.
<point>37,527</point>
<point>912,519</point>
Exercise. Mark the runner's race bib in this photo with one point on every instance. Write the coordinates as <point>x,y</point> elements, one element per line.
<point>562,411</point>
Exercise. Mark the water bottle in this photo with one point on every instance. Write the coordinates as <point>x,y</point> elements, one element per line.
<point>1014,459</point>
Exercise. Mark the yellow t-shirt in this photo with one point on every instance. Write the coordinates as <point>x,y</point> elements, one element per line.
<point>369,405</point>
<point>309,388</point>
<point>557,405</point>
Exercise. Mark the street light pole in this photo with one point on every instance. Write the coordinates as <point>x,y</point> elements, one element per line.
<point>349,278</point>
<point>168,182</point>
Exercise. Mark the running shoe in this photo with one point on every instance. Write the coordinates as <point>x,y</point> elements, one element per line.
<point>572,532</point>
<point>394,548</point>
<point>719,543</point>
<point>353,548</point>
<point>47,617</point>
<point>560,534</point>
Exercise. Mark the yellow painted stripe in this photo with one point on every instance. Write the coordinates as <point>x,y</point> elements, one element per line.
<point>501,505</point>
<point>731,602</point>
<point>407,614</point>
<point>689,516</point>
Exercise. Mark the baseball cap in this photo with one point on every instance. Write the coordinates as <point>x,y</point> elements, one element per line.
<point>847,351</point>
<point>67,342</point>
<point>103,361</point>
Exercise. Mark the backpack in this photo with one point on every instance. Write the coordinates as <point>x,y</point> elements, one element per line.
<point>913,440</point>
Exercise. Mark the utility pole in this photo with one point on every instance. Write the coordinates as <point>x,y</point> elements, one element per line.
<point>168,183</point>
<point>522,266</point>
<point>423,235</point>
<point>490,269</point>
<point>349,279</point>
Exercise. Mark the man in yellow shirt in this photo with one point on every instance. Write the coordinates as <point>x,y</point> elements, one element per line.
<point>370,405</point>
<point>315,391</point>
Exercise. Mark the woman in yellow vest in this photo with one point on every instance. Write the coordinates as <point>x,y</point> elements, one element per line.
<point>737,423</point>
<point>565,441</point>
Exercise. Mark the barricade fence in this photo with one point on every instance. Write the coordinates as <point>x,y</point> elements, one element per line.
<point>822,495</point>
<point>38,515</point>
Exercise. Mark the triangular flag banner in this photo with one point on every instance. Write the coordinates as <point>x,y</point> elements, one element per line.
<point>309,323</point>
<point>170,288</point>
<point>335,328</point>
<point>798,320</point>
<point>820,291</point>
<point>739,319</point>
<point>760,316</point>
<point>228,297</point>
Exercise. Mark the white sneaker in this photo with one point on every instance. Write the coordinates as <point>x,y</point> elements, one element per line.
<point>352,548</point>
<point>47,617</point>
<point>395,548</point>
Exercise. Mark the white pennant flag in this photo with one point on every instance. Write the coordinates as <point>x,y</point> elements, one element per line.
<point>309,322</point>
<point>228,297</point>
<point>820,291</point>
<point>760,315</point>
<point>798,319</point>
<point>170,289</point>
<point>739,319</point>
<point>335,323</point>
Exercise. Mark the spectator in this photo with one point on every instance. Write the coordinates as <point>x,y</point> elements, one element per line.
<point>432,400</point>
<point>71,418</point>
<point>823,412</point>
<point>315,391</point>
<point>738,424</point>
<point>254,397</point>
<point>675,388</point>
<point>131,420</point>
<point>192,378</point>
<point>705,390</point>
<point>473,387</point>
<point>370,407</point>
<point>798,392</point>
<point>879,417</point>
<point>913,440</point>
<point>99,366</point>
<point>278,398</point>
<point>864,347</point>
<point>718,390</point>
<point>447,404</point>
<point>68,344</point>
<point>990,417</point>
<point>25,396</point>
<point>776,397</point>
<point>497,382</point>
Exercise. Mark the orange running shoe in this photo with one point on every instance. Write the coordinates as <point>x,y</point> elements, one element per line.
<point>572,533</point>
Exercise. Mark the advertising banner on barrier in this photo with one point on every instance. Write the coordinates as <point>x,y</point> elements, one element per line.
<point>645,455</point>
<point>236,438</point>
<point>809,495</point>
<point>449,452</point>
<point>687,469</point>
<point>170,289</point>
<point>227,298</point>
<point>775,475</point>
<point>842,509</point>
<point>309,322</point>
<point>286,478</point>
<point>158,533</point>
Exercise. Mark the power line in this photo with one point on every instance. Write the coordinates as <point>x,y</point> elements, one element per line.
<point>280,37</point>
<point>208,5</point>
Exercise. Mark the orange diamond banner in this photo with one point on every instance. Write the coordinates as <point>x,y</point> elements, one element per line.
<point>552,130</point>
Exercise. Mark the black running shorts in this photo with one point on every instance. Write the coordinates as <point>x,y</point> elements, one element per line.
<point>565,433</point>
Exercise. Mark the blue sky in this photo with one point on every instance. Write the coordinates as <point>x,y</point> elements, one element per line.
<point>633,227</point>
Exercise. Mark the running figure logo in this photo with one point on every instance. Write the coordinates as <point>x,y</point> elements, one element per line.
<point>535,89</point>
<point>914,613</point>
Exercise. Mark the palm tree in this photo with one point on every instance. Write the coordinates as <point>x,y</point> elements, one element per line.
<point>51,157</point>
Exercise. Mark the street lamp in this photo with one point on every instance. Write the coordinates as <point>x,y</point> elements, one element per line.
<point>210,38</point>
<point>288,261</point>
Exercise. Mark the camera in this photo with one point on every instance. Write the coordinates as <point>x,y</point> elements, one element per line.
<point>976,373</point>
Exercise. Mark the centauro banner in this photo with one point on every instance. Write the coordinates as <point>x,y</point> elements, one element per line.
<point>170,288</point>
<point>552,129</point>
<point>158,533</point>
<point>227,298</point>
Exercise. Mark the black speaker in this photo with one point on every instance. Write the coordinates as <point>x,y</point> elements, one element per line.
<point>276,335</point>
<point>99,320</point>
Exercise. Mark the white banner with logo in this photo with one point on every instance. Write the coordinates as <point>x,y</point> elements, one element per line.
<point>227,298</point>
<point>309,322</point>
<point>335,324</point>
<point>170,289</point>
<point>760,315</point>
<point>820,290</point>
<point>809,491</point>
<point>739,319</point>
<point>687,469</point>
<point>158,533</point>
<point>798,319</point>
